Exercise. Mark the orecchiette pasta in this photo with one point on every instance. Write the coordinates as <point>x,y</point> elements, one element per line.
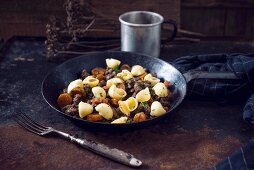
<point>112,63</point>
<point>116,93</point>
<point>125,75</point>
<point>160,90</point>
<point>84,109</point>
<point>151,79</point>
<point>115,81</point>
<point>157,109</point>
<point>120,120</point>
<point>74,84</point>
<point>91,81</point>
<point>104,110</point>
<point>143,95</point>
<point>99,92</point>
<point>137,70</point>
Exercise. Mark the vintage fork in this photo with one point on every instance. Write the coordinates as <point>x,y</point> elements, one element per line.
<point>101,149</point>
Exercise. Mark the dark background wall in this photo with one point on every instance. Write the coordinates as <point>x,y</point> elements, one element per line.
<point>215,18</point>
<point>219,17</point>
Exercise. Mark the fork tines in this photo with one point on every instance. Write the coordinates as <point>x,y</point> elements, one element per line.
<point>26,122</point>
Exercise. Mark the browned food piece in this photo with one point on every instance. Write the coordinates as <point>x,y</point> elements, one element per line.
<point>125,67</point>
<point>138,86</point>
<point>94,117</point>
<point>142,76</point>
<point>143,108</point>
<point>88,91</point>
<point>106,88</point>
<point>70,109</point>
<point>139,117</point>
<point>84,74</point>
<point>117,113</point>
<point>102,83</point>
<point>64,99</point>
<point>98,70</point>
<point>129,84</point>
<point>153,95</point>
<point>114,102</point>
<point>150,101</point>
<point>121,86</point>
<point>77,99</point>
<point>110,73</point>
<point>106,100</point>
<point>96,101</point>
<point>100,77</point>
<point>78,90</point>
<point>166,108</point>
<point>165,101</point>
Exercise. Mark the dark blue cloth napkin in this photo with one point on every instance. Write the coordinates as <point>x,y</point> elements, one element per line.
<point>248,111</point>
<point>242,159</point>
<point>242,65</point>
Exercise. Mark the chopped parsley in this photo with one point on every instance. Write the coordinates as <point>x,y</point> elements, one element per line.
<point>116,69</point>
<point>144,104</point>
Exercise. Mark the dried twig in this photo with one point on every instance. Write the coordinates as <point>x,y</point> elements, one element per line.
<point>69,36</point>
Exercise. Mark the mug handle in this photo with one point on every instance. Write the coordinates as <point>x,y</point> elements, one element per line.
<point>171,22</point>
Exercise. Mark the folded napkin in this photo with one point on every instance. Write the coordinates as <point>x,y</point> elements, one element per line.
<point>240,160</point>
<point>239,64</point>
<point>248,111</point>
<point>243,67</point>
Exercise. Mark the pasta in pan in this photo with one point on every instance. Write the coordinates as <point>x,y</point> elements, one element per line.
<point>104,110</point>
<point>91,81</point>
<point>137,70</point>
<point>114,81</point>
<point>160,89</point>
<point>120,120</point>
<point>99,92</point>
<point>84,109</point>
<point>125,75</point>
<point>143,95</point>
<point>151,79</point>
<point>75,84</point>
<point>112,63</point>
<point>116,94</point>
<point>157,109</point>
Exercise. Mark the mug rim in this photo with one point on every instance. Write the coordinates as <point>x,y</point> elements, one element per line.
<point>161,19</point>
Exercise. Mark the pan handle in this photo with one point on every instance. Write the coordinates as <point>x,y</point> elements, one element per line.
<point>196,74</point>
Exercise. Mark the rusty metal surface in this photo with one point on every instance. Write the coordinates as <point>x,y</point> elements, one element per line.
<point>197,136</point>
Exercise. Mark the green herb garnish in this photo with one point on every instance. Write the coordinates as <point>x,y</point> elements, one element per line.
<point>144,104</point>
<point>116,69</point>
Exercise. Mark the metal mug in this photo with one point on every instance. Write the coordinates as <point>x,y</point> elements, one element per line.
<point>141,32</point>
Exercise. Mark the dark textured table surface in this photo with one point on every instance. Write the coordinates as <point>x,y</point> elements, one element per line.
<point>197,136</point>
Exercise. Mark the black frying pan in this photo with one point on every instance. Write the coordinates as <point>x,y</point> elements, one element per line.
<point>59,78</point>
